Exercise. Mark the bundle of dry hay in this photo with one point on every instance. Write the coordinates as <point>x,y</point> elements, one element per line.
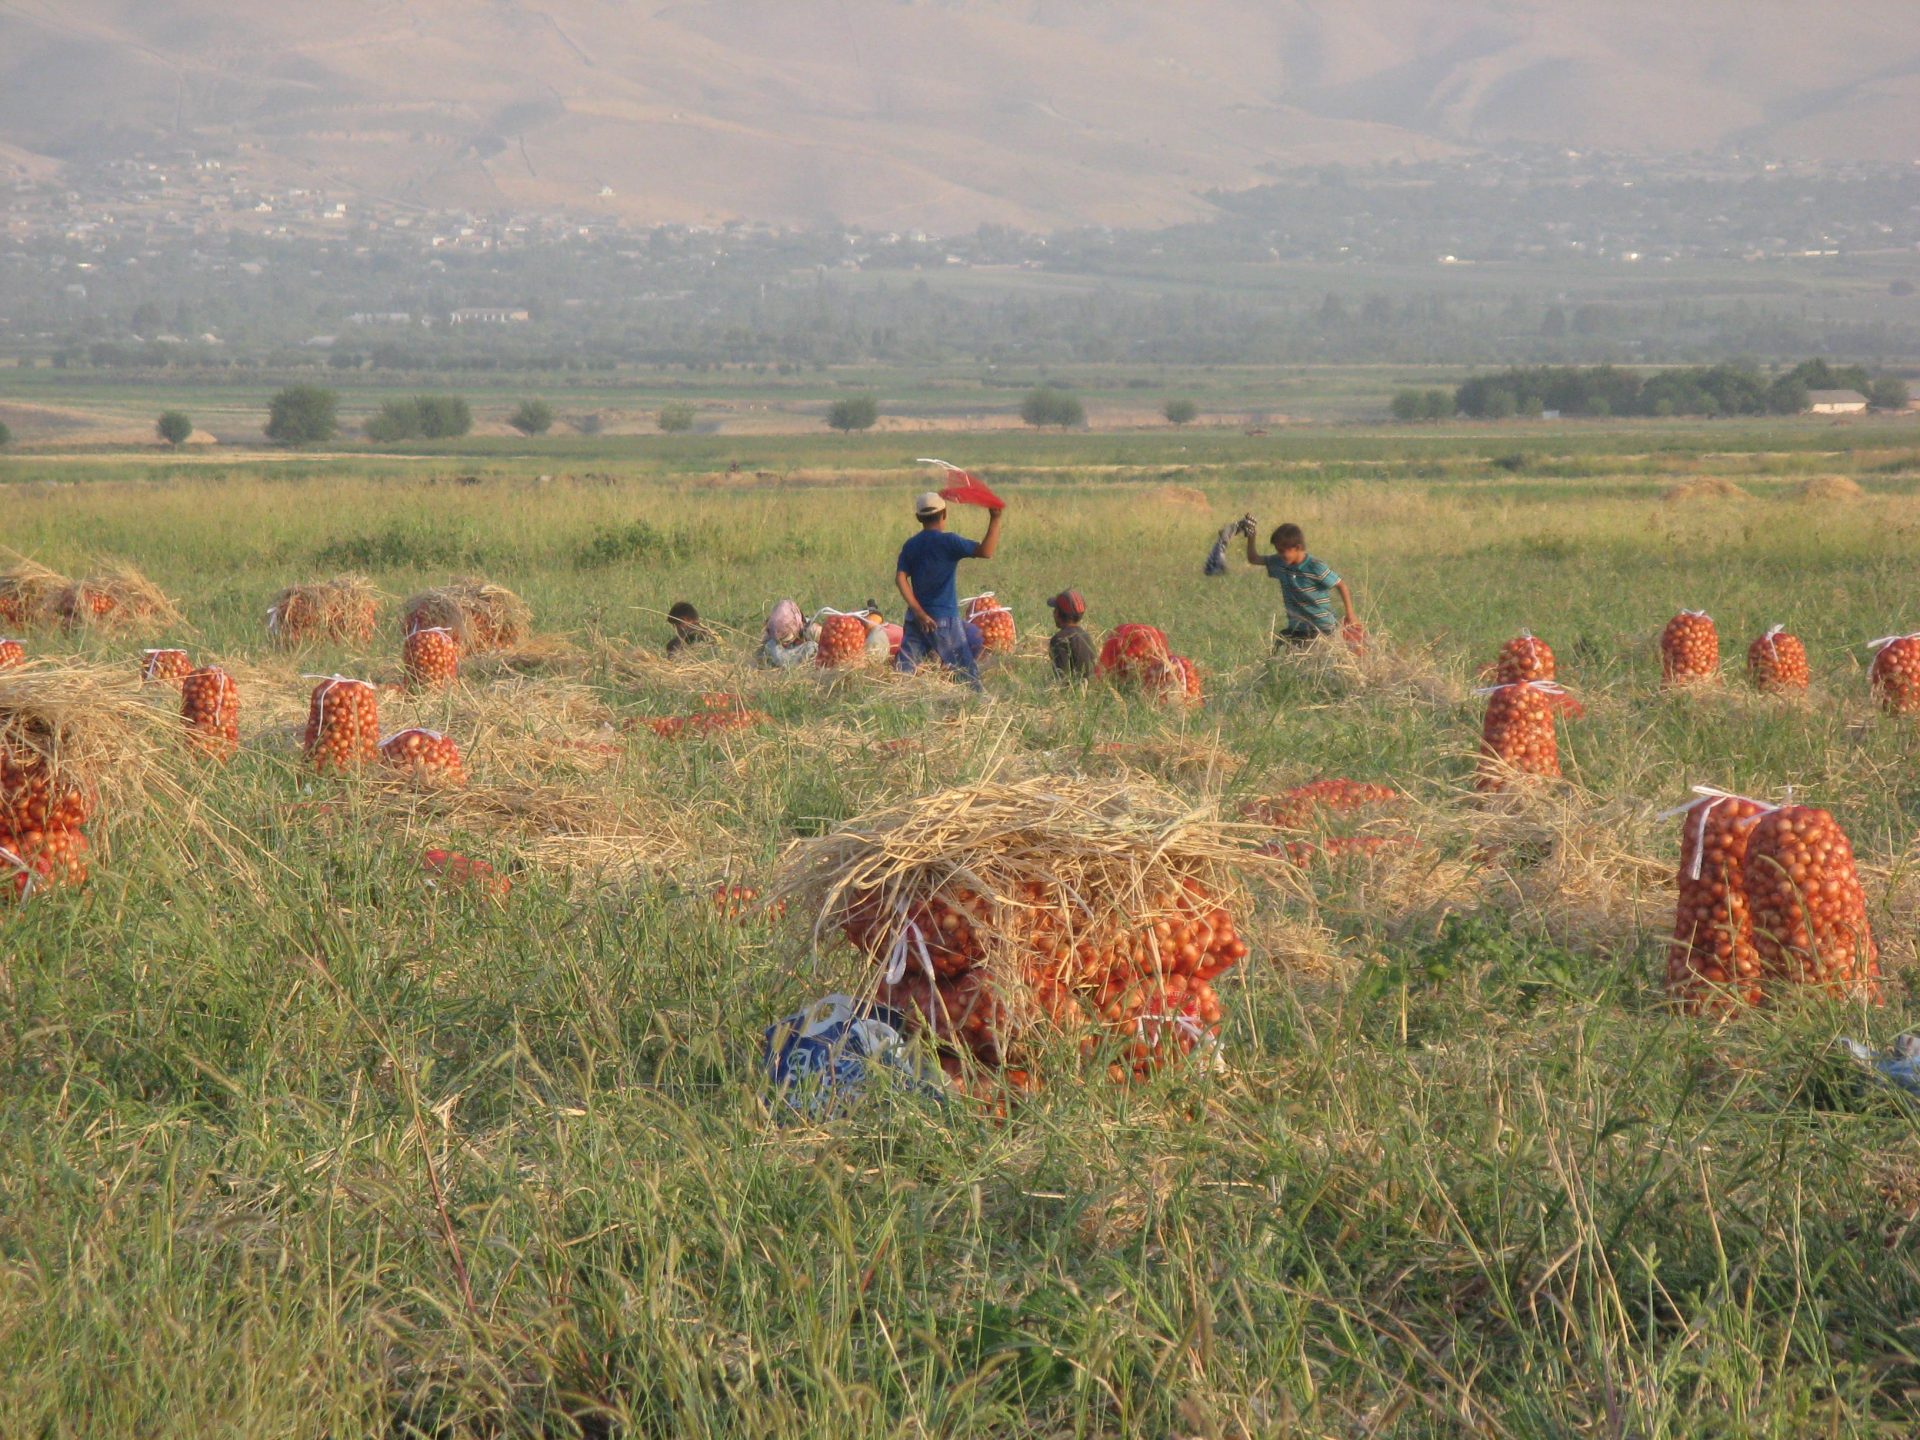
<point>92,729</point>
<point>1707,487</point>
<point>1001,910</point>
<point>1101,850</point>
<point>30,592</point>
<point>482,616</point>
<point>343,610</point>
<point>1823,488</point>
<point>119,597</point>
<point>542,655</point>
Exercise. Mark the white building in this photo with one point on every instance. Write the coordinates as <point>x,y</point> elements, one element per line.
<point>1836,402</point>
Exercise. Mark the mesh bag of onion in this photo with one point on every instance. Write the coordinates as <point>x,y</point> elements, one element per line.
<point>1712,961</point>
<point>1777,662</point>
<point>1002,918</point>
<point>425,756</point>
<point>1131,652</point>
<point>1689,649</point>
<point>843,640</point>
<point>995,621</point>
<point>12,653</point>
<point>1809,913</point>
<point>1525,657</point>
<point>1517,738</point>
<point>343,724</point>
<point>210,706</point>
<point>431,658</point>
<point>157,666</point>
<point>1895,676</point>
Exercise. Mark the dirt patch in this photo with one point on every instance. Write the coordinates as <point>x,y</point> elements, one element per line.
<point>1187,497</point>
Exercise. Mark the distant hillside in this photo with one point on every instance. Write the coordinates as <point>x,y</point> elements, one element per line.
<point>934,114</point>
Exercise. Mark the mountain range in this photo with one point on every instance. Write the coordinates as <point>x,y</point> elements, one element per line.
<point>928,114</point>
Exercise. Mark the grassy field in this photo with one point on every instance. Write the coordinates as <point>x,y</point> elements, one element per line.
<point>295,1145</point>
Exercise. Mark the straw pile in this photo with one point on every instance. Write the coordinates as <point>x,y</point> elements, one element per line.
<point>76,742</point>
<point>1828,488</point>
<point>1002,914</point>
<point>30,593</point>
<point>481,616</point>
<point>1707,487</point>
<point>342,610</point>
<point>118,598</point>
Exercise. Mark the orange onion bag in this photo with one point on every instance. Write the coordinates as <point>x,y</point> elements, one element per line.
<point>343,724</point>
<point>426,756</point>
<point>1777,662</point>
<point>1689,649</point>
<point>1712,957</point>
<point>431,658</point>
<point>1808,910</point>
<point>1525,657</point>
<point>995,621</point>
<point>1517,734</point>
<point>12,653</point>
<point>210,706</point>
<point>843,640</point>
<point>158,665</point>
<point>1895,676</point>
<point>1132,651</point>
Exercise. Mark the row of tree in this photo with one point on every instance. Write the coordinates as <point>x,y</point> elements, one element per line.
<point>1604,390</point>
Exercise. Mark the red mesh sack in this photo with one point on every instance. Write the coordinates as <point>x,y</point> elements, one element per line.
<point>995,621</point>
<point>1895,676</point>
<point>843,641</point>
<point>1132,651</point>
<point>1712,958</point>
<point>1689,649</point>
<point>1517,735</point>
<point>1525,657</point>
<point>431,658</point>
<point>160,665</point>
<point>343,724</point>
<point>1777,662</point>
<point>12,653</point>
<point>1809,912</point>
<point>210,706</point>
<point>426,756</point>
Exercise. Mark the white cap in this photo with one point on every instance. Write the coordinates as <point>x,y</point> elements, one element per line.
<point>931,502</point>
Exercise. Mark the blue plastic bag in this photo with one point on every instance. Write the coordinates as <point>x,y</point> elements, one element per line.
<point>823,1057</point>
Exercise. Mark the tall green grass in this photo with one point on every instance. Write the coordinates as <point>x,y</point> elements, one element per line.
<point>293,1145</point>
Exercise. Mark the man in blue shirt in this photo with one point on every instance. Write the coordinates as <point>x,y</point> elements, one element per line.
<point>925,576</point>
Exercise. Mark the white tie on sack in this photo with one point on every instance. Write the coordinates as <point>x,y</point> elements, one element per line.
<point>433,735</point>
<point>1885,640</point>
<point>990,610</point>
<point>909,932</point>
<point>1697,614</point>
<point>1772,631</point>
<point>429,630</point>
<point>1548,687</point>
<point>1710,799</point>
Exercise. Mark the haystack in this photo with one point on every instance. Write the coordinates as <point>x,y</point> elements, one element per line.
<point>482,616</point>
<point>30,593</point>
<point>1000,913</point>
<point>1189,497</point>
<point>119,597</point>
<point>1707,487</point>
<point>343,610</point>
<point>91,729</point>
<point>1824,488</point>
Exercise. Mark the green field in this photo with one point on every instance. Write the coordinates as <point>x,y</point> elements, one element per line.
<point>295,1145</point>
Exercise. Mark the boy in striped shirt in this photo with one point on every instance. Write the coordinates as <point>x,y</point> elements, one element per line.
<point>1307,585</point>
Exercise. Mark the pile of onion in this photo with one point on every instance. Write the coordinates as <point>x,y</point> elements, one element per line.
<point>1689,649</point>
<point>343,724</point>
<point>1777,662</point>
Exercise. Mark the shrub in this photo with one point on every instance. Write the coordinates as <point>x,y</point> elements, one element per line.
<point>174,427</point>
<point>1050,405</point>
<point>534,417</point>
<point>1180,412</point>
<point>396,420</point>
<point>675,419</point>
<point>636,540</point>
<point>856,412</point>
<point>303,415</point>
<point>6,435</point>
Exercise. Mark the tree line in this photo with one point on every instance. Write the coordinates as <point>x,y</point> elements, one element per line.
<point>1607,390</point>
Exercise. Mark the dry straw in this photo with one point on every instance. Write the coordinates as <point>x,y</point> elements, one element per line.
<point>481,615</point>
<point>118,597</point>
<point>1706,487</point>
<point>30,592</point>
<point>1828,488</point>
<point>341,609</point>
<point>1100,852</point>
